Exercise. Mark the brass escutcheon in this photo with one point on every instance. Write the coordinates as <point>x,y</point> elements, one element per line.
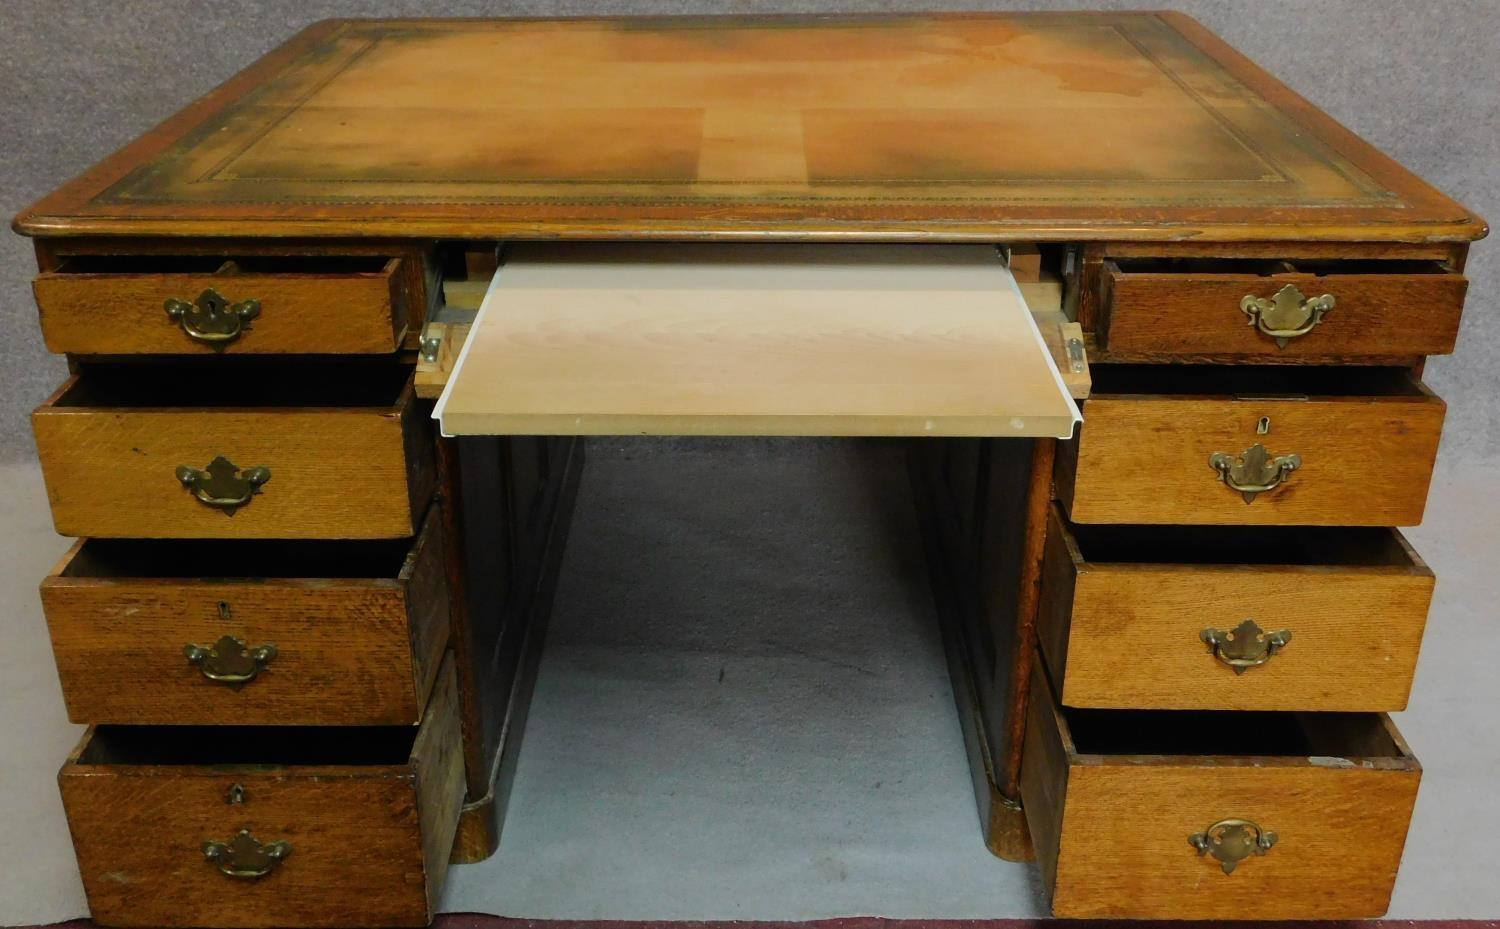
<point>1255,471</point>
<point>222,484</point>
<point>229,660</point>
<point>245,857</point>
<point>211,319</point>
<point>1246,646</point>
<point>1287,315</point>
<point>1231,841</point>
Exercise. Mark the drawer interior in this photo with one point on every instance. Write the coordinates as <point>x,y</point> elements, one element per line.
<point>191,384</point>
<point>1267,267</point>
<point>257,746</point>
<point>250,559</point>
<point>1240,545</point>
<point>1258,382</point>
<point>280,265</point>
<point>1230,733</point>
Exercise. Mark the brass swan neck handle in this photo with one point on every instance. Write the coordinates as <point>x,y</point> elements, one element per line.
<point>1245,646</point>
<point>212,319</point>
<point>1287,315</point>
<point>223,484</point>
<point>1254,471</point>
<point>245,857</point>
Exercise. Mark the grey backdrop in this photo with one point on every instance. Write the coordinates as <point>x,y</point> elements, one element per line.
<point>82,77</point>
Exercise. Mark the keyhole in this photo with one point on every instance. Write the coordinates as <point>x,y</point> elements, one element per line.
<point>223,609</point>
<point>236,793</point>
<point>1264,426</point>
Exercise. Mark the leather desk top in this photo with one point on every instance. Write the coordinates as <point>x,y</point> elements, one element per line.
<point>1139,126</point>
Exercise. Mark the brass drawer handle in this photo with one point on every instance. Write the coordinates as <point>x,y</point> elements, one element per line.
<point>222,484</point>
<point>1231,841</point>
<point>246,858</point>
<point>211,319</point>
<point>1246,646</point>
<point>1254,472</point>
<point>229,660</point>
<point>1287,315</point>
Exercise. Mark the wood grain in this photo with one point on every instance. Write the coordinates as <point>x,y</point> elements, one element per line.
<point>1117,828</point>
<point>1038,505</point>
<point>437,757</point>
<point>755,340</point>
<point>1366,460</point>
<point>1199,313</point>
<point>361,835</point>
<point>307,313</point>
<point>336,473</point>
<point>1126,635</point>
<point>350,650</point>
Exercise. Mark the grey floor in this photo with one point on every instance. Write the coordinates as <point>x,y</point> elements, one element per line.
<point>743,710</point>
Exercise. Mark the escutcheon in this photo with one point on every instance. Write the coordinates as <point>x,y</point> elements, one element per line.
<point>1255,471</point>
<point>1246,646</point>
<point>223,485</point>
<point>1287,315</point>
<point>211,319</point>
<point>229,660</point>
<point>245,857</point>
<point>1231,841</point>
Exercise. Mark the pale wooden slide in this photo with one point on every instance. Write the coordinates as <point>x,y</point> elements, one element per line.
<point>677,339</point>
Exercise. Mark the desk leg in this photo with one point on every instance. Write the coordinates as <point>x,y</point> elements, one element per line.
<point>983,510</point>
<point>507,505</point>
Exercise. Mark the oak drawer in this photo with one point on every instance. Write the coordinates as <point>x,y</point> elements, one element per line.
<point>1117,801</point>
<point>368,815</point>
<point>248,632</point>
<point>1152,617</point>
<point>1152,435</point>
<point>1231,307</point>
<point>345,451</point>
<point>302,305</point>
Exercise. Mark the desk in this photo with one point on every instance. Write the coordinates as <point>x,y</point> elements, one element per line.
<point>1174,635</point>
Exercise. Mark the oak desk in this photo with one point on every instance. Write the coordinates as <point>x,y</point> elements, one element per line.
<point>1173,636</point>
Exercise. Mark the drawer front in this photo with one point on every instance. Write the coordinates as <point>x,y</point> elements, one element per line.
<point>1117,834</point>
<point>360,646</point>
<point>353,312</point>
<point>1336,630</point>
<point>367,845</point>
<point>1179,314</point>
<point>1363,461</point>
<point>329,473</point>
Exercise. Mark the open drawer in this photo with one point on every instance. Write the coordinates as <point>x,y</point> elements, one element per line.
<point>1231,617</point>
<point>1249,445</point>
<point>187,304</point>
<point>1257,307</point>
<point>235,449</point>
<point>583,339</point>
<point>177,632</point>
<point>1142,814</point>
<point>233,826</point>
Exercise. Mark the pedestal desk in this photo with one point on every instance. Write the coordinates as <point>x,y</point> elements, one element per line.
<point>303,624</point>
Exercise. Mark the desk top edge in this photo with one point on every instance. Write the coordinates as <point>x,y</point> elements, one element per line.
<point>1413,211</point>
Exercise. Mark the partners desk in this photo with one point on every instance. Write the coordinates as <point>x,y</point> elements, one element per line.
<point>303,624</point>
